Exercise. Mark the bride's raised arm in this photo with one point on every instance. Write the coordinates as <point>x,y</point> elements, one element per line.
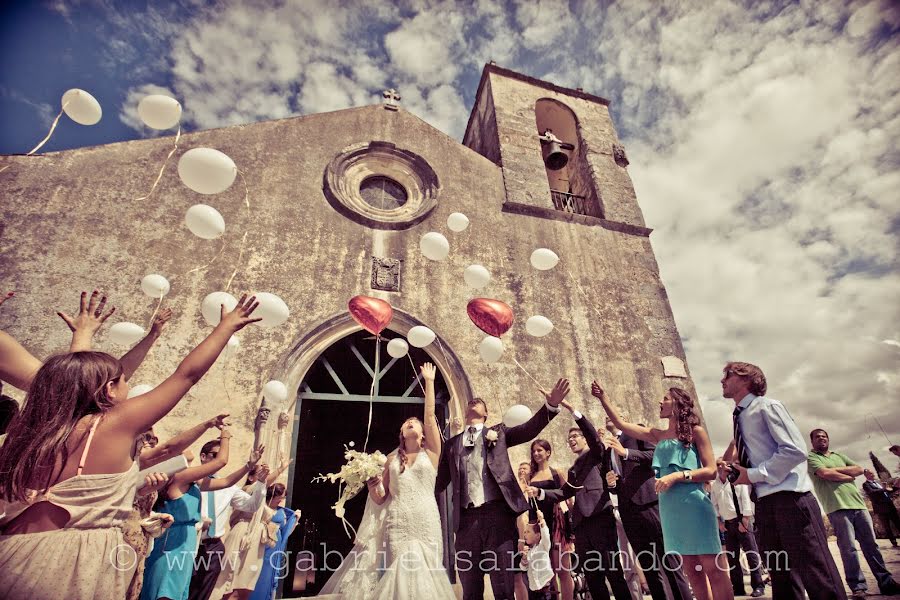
<point>429,424</point>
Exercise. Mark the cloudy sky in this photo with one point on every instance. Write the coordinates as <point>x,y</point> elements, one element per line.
<point>762,139</point>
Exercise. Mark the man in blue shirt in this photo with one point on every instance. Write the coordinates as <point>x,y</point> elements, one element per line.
<point>769,452</point>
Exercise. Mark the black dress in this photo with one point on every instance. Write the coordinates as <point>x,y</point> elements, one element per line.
<point>545,506</point>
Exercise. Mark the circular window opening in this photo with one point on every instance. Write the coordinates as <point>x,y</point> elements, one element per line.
<point>382,193</point>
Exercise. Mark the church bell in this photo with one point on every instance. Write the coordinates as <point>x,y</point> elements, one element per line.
<point>556,159</point>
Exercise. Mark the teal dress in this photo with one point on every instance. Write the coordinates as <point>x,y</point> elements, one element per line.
<point>687,514</point>
<point>170,565</point>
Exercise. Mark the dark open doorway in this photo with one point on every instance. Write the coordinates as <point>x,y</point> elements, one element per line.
<point>333,409</point>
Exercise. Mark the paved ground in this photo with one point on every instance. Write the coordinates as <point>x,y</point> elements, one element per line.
<point>891,558</point>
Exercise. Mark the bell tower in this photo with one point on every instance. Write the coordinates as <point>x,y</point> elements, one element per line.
<point>558,150</point>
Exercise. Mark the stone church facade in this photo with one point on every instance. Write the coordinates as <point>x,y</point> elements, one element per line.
<point>329,206</point>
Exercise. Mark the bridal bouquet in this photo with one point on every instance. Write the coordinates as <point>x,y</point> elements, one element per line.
<point>359,468</point>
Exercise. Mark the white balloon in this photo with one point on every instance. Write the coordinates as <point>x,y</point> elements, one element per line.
<point>538,326</point>
<point>155,286</point>
<point>234,342</point>
<point>204,221</point>
<point>490,349</point>
<point>543,259</point>
<point>210,307</point>
<point>434,246</point>
<point>397,347</point>
<point>125,333</point>
<point>517,414</point>
<point>206,170</point>
<point>457,222</point>
<point>81,107</point>
<point>477,276</point>
<point>159,112</point>
<point>420,336</point>
<point>275,391</point>
<point>272,309</point>
<point>139,389</point>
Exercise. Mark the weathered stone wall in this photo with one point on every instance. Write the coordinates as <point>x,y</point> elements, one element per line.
<point>70,222</point>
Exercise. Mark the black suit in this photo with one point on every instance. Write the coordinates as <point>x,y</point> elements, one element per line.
<point>884,507</point>
<point>596,538</point>
<point>486,535</point>
<point>639,509</point>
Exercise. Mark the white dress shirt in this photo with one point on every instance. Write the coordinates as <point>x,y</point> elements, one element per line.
<point>723,500</point>
<point>540,571</point>
<point>228,499</point>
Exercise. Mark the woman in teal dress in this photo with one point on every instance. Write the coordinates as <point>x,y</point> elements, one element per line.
<point>274,567</point>
<point>683,461</point>
<point>168,569</point>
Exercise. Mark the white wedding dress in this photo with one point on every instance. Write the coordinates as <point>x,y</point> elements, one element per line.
<point>398,552</point>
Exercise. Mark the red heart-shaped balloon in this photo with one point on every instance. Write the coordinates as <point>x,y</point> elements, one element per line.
<point>491,316</point>
<point>373,314</point>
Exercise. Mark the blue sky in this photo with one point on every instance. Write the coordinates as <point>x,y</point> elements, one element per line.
<point>762,140</point>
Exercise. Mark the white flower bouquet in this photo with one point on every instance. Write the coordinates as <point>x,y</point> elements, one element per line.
<point>359,468</point>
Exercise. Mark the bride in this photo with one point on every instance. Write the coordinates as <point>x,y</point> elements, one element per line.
<point>399,548</point>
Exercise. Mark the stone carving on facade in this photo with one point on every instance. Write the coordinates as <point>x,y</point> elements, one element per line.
<point>385,274</point>
<point>391,97</point>
<point>619,155</point>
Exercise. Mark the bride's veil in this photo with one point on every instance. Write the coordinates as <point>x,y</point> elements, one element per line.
<point>360,570</point>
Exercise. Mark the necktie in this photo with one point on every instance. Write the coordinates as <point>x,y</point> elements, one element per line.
<point>211,513</point>
<point>470,435</point>
<point>743,458</point>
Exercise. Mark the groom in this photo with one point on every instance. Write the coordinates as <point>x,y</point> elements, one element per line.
<point>486,496</point>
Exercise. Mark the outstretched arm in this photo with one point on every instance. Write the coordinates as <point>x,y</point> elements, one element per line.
<point>220,483</point>
<point>274,475</point>
<point>432,431</point>
<point>135,416</point>
<point>17,365</point>
<point>180,442</point>
<point>529,430</point>
<point>132,359</point>
<point>182,480</point>
<point>640,432</point>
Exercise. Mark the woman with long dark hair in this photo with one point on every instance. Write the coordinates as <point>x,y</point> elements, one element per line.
<point>683,461</point>
<point>68,469</point>
<point>545,477</point>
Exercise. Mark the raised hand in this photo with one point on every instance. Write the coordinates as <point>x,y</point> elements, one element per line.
<point>597,391</point>
<point>90,314</point>
<point>558,393</point>
<point>239,318</point>
<point>262,472</point>
<point>161,320</point>
<point>567,406</point>
<point>256,455</point>
<point>428,371</point>
<point>219,422</point>
<point>617,446</point>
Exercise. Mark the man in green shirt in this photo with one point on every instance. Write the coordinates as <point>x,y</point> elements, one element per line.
<point>833,476</point>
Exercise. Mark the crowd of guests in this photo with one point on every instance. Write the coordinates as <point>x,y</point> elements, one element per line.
<point>90,504</point>
<point>82,479</point>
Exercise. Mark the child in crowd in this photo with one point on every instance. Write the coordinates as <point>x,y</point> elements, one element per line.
<point>536,558</point>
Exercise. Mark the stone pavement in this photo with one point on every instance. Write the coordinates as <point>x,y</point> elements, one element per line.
<point>891,558</point>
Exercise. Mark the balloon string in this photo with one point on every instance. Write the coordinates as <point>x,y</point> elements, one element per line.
<point>238,265</point>
<point>52,127</point>
<point>202,267</point>
<point>372,389</point>
<point>418,379</point>
<point>246,190</point>
<point>155,311</point>
<point>165,162</point>
<point>536,382</point>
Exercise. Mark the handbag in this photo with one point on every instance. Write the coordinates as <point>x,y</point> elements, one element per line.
<point>156,523</point>
<point>270,534</point>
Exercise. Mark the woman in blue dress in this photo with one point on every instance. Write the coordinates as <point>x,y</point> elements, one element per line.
<point>274,564</point>
<point>683,461</point>
<point>168,569</point>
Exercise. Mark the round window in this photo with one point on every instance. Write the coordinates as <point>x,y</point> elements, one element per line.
<point>382,192</point>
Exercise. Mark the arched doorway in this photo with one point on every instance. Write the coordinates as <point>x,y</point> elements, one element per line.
<point>332,409</point>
